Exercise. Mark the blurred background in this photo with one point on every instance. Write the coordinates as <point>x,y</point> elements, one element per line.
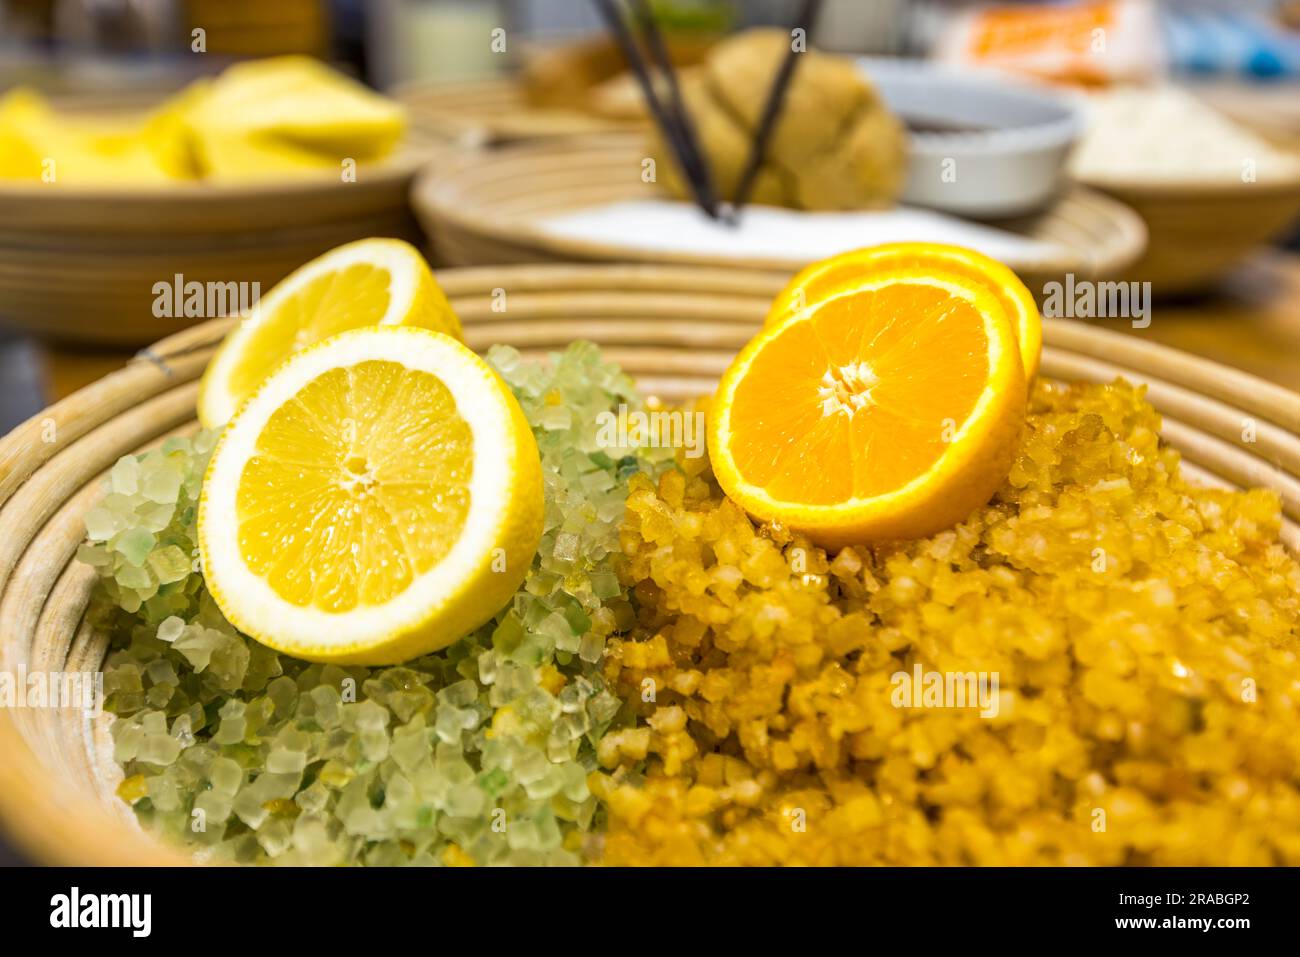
<point>481,74</point>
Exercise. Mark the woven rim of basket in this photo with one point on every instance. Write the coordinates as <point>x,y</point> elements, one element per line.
<point>494,111</point>
<point>674,328</point>
<point>484,208</point>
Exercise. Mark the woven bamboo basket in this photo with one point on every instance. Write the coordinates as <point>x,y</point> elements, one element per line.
<point>490,207</point>
<point>673,328</point>
<point>493,112</point>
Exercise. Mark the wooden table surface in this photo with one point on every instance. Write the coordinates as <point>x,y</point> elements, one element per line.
<point>1252,323</point>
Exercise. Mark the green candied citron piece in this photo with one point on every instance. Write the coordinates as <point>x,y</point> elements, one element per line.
<point>229,660</point>
<point>169,563</point>
<point>367,716</point>
<point>216,807</point>
<point>494,782</point>
<point>124,477</point>
<point>160,749</point>
<point>101,524</point>
<point>134,577</point>
<point>283,692</point>
<point>460,694</point>
<point>328,705</point>
<point>162,485</point>
<point>605,584</point>
<point>155,516</point>
<point>336,775</point>
<point>281,760</point>
<point>579,621</point>
<point>314,798</point>
<point>161,671</point>
<point>508,633</point>
<point>411,745</point>
<point>196,644</point>
<point>225,777</point>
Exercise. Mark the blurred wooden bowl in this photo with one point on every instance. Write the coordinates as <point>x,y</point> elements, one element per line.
<point>1196,232</point>
<point>79,265</point>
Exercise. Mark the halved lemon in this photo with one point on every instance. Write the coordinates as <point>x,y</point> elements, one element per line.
<point>822,279</point>
<point>889,410</point>
<point>376,499</point>
<point>371,282</point>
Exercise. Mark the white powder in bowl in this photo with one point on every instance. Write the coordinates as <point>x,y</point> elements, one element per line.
<point>1166,135</point>
<point>787,236</point>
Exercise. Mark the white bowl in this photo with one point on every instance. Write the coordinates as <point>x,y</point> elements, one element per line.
<point>982,144</point>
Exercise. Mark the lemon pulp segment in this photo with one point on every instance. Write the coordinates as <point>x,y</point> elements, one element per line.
<point>359,484</point>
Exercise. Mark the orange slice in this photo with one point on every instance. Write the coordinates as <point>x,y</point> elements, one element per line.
<point>822,279</point>
<point>888,410</point>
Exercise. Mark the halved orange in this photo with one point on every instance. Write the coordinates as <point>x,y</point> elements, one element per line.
<point>822,279</point>
<point>888,410</point>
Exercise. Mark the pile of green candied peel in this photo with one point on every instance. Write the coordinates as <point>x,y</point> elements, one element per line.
<point>477,754</point>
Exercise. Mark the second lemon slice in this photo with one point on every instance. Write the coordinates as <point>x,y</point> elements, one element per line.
<point>371,282</point>
<point>376,499</point>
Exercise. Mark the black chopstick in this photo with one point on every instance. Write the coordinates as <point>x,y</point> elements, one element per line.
<point>677,130</point>
<point>686,128</point>
<point>805,19</point>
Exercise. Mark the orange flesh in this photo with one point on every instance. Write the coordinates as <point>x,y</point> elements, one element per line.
<point>862,397</point>
<point>852,267</point>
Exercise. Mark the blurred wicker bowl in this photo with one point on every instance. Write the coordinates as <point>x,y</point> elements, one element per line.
<point>79,264</point>
<point>674,328</point>
<point>565,88</point>
<point>493,112</point>
<point>489,207</point>
<point>1196,232</point>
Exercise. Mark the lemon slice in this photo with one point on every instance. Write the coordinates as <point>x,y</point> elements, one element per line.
<point>371,282</point>
<point>377,498</point>
<point>299,100</point>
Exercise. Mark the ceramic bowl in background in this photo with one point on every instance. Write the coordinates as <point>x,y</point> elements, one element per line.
<point>981,144</point>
